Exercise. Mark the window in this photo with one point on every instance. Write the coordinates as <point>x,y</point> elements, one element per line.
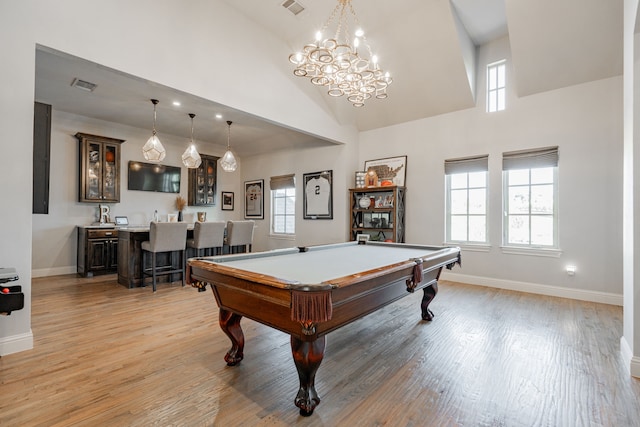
<point>530,197</point>
<point>466,205</point>
<point>496,86</point>
<point>283,205</point>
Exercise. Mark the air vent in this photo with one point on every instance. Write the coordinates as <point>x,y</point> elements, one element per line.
<point>293,6</point>
<point>81,84</point>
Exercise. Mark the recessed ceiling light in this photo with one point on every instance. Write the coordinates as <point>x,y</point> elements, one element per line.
<point>218,116</point>
<point>176,103</point>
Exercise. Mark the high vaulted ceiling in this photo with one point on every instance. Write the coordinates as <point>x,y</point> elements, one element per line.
<point>554,44</point>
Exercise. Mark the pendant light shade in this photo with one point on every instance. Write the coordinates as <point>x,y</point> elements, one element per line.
<point>190,157</point>
<point>153,150</point>
<point>228,161</point>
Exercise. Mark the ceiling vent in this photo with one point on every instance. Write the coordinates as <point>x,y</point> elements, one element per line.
<point>81,84</point>
<point>293,6</point>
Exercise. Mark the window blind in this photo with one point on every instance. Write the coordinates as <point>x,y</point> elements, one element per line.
<point>283,181</point>
<point>467,164</point>
<point>530,159</point>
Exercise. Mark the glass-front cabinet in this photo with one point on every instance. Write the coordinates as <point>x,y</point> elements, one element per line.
<point>378,212</point>
<point>99,168</point>
<point>202,182</point>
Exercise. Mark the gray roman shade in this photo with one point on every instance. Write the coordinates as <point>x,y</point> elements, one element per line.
<point>283,181</point>
<point>467,164</point>
<point>530,159</point>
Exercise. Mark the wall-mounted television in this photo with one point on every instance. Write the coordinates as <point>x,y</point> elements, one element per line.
<point>153,177</point>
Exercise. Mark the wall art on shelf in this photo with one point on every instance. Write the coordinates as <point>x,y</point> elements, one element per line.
<point>254,199</point>
<point>172,217</point>
<point>389,171</point>
<point>318,195</point>
<point>227,201</point>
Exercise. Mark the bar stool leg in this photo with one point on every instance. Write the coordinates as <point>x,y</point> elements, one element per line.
<point>153,269</point>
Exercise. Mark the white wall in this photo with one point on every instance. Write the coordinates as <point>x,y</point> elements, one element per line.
<point>340,159</point>
<point>584,121</point>
<point>55,234</point>
<point>152,39</point>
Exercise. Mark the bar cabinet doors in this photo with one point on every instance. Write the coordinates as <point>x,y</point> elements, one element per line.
<point>99,168</point>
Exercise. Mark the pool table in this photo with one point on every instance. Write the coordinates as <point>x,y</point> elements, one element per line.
<point>311,291</point>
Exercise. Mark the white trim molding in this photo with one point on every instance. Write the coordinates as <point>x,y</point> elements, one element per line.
<point>633,362</point>
<point>16,343</point>
<point>535,288</point>
<point>56,271</point>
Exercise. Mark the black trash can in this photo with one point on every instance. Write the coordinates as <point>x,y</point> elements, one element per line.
<point>11,296</point>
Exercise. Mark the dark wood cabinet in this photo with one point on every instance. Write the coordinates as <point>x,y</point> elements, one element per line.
<point>99,168</point>
<point>97,251</point>
<point>378,212</point>
<point>203,181</point>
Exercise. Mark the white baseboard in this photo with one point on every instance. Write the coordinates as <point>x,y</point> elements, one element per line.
<point>56,271</point>
<point>631,361</point>
<point>535,288</point>
<point>16,343</point>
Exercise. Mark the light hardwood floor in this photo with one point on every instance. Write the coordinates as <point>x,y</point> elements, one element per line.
<point>109,356</point>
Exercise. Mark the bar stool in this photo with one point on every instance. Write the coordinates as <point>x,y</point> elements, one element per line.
<point>164,237</point>
<point>240,235</point>
<point>207,237</point>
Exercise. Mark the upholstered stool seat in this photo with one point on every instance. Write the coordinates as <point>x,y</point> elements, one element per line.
<point>164,237</point>
<point>208,237</point>
<point>240,236</point>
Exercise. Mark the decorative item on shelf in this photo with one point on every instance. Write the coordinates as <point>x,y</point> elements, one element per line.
<point>360,178</point>
<point>202,216</point>
<point>181,203</point>
<point>191,158</point>
<point>228,161</point>
<point>372,178</point>
<point>364,202</point>
<point>153,150</point>
<point>338,65</point>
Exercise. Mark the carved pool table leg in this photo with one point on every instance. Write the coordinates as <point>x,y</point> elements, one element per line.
<point>230,324</point>
<point>429,294</point>
<point>307,355</point>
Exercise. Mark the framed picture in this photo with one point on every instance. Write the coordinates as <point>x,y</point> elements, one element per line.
<point>227,201</point>
<point>318,195</point>
<point>172,217</point>
<point>389,171</point>
<point>254,199</point>
<point>360,175</point>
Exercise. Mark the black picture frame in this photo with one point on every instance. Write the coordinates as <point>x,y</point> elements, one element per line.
<point>318,195</point>
<point>254,199</point>
<point>227,200</point>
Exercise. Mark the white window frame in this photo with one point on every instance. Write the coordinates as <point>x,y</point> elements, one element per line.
<point>289,218</point>
<point>530,160</point>
<point>466,166</point>
<point>496,89</point>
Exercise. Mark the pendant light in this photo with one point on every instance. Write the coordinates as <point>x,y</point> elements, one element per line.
<point>228,161</point>
<point>153,150</point>
<point>190,157</point>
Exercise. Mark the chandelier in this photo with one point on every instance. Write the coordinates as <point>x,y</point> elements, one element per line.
<point>153,149</point>
<point>228,161</point>
<point>191,158</point>
<point>340,66</point>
